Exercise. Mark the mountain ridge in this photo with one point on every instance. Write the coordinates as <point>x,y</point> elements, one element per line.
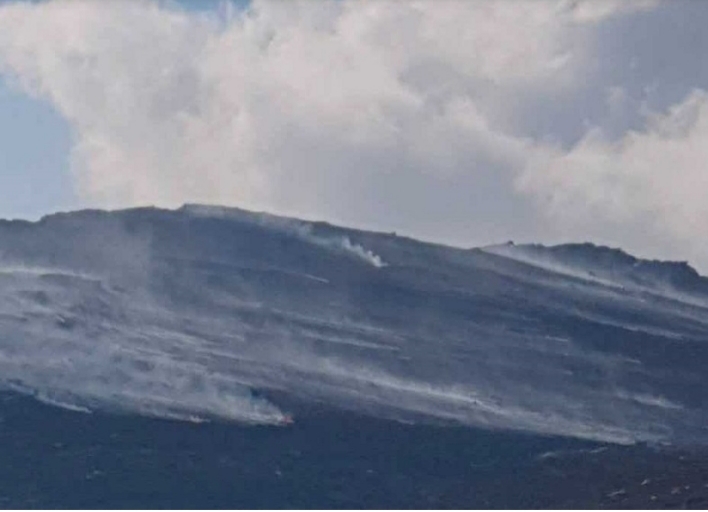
<point>572,252</point>
<point>607,262</point>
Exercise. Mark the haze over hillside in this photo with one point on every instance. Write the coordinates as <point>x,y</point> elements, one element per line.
<point>206,312</point>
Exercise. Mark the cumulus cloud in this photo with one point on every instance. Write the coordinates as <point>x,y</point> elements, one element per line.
<point>600,9</point>
<point>452,120</point>
<point>655,177</point>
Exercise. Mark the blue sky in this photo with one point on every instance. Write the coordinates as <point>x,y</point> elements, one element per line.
<point>456,121</point>
<point>34,146</point>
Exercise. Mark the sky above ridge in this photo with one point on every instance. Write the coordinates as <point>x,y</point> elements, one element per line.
<point>464,122</point>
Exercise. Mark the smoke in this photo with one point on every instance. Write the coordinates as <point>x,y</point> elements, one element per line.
<point>192,340</point>
<point>299,229</point>
<point>79,346</point>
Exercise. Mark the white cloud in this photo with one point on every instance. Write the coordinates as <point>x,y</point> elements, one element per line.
<point>168,105</point>
<point>597,10</point>
<point>398,115</point>
<point>656,177</point>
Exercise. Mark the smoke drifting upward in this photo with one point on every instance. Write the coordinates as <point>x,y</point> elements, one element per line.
<point>466,122</point>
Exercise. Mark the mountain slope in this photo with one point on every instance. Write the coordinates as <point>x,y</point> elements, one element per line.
<point>208,312</point>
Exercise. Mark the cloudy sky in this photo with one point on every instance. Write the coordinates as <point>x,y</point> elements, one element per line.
<point>466,122</point>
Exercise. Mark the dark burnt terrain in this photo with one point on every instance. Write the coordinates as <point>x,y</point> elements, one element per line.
<point>53,458</point>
